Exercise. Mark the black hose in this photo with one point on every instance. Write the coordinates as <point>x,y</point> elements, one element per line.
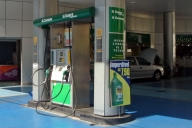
<point>34,74</point>
<point>48,100</point>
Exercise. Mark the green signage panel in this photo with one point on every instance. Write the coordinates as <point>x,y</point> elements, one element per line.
<point>61,94</point>
<point>116,47</point>
<point>138,38</point>
<point>183,39</point>
<point>78,14</point>
<point>116,19</point>
<point>116,33</point>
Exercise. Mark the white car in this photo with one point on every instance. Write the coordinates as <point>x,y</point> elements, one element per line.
<point>142,66</point>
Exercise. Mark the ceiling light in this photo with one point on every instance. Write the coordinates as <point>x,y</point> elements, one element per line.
<point>129,50</point>
<point>132,2</point>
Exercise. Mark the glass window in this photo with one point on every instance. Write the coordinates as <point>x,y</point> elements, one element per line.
<point>131,60</point>
<point>142,61</point>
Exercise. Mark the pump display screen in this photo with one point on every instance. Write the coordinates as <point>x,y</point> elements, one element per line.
<point>61,53</point>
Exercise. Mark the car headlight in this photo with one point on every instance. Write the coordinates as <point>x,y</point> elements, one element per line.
<point>162,71</point>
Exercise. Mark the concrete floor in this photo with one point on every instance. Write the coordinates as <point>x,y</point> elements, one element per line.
<point>163,104</point>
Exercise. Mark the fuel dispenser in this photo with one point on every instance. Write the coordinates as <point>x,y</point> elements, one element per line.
<point>70,53</point>
<point>61,82</point>
<point>70,58</point>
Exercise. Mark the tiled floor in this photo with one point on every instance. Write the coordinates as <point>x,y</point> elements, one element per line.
<point>163,104</point>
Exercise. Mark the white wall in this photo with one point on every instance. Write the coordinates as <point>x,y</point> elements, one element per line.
<point>142,23</point>
<point>27,60</point>
<point>16,23</point>
<point>159,40</point>
<point>66,7</point>
<point>183,26</point>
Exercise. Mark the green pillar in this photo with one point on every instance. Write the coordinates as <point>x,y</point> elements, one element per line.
<point>110,30</point>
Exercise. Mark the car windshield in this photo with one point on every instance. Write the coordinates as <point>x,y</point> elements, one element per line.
<point>142,61</point>
<point>131,60</point>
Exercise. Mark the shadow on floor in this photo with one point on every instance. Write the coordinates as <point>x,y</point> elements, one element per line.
<point>173,83</point>
<point>24,89</point>
<point>144,106</point>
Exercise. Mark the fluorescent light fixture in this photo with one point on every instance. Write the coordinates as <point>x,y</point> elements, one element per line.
<point>129,50</point>
<point>132,2</point>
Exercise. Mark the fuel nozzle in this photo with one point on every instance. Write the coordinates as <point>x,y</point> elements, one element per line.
<point>66,73</point>
<point>47,73</point>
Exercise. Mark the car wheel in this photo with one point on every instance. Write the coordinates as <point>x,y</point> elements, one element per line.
<point>157,76</point>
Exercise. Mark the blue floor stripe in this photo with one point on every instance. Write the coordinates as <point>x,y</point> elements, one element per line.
<point>153,113</point>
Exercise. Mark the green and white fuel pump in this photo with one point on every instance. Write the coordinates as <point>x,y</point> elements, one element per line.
<point>61,81</point>
<point>70,44</point>
<point>109,43</point>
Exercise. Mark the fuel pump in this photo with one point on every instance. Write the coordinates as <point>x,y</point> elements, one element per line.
<point>70,59</point>
<point>61,79</point>
<point>68,74</point>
